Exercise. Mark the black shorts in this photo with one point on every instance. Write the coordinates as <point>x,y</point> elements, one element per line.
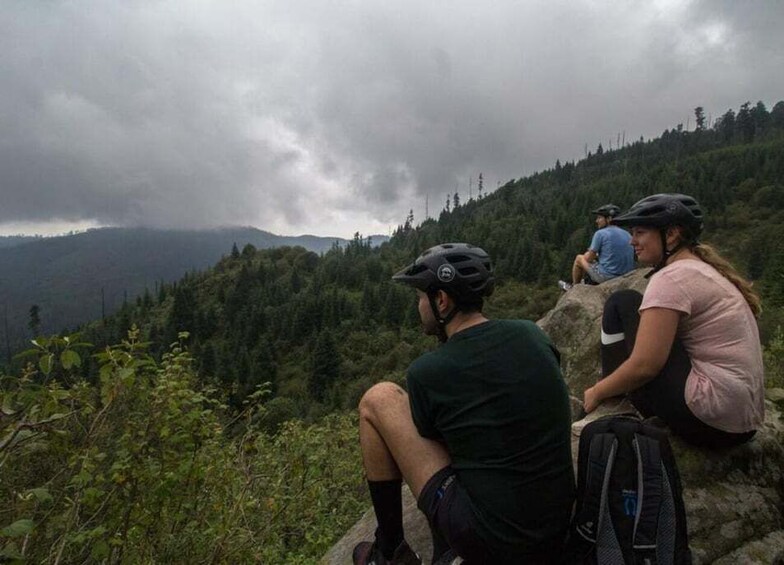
<point>445,503</point>
<point>448,509</point>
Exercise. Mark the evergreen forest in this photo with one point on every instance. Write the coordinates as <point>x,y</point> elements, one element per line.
<point>75,278</point>
<point>212,419</point>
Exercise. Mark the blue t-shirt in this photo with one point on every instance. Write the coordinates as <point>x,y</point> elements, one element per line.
<point>616,256</point>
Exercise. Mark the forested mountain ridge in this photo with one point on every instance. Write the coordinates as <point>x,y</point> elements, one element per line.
<point>13,240</point>
<point>222,429</point>
<point>79,277</point>
<point>321,329</point>
<point>535,225</point>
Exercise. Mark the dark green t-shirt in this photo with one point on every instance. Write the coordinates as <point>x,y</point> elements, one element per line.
<point>495,396</point>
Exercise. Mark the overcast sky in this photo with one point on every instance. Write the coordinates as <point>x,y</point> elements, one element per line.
<point>330,117</point>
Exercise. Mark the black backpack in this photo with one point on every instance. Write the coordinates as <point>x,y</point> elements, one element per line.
<point>629,498</point>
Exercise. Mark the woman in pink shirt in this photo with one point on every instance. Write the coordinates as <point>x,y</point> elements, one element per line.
<point>688,351</point>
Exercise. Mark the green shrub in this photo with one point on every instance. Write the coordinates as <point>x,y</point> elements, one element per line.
<point>774,360</point>
<point>141,469</point>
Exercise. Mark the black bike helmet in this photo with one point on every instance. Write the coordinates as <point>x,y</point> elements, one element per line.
<point>664,210</point>
<point>608,210</point>
<point>462,270</point>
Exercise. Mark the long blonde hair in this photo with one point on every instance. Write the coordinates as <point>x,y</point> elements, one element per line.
<point>725,268</point>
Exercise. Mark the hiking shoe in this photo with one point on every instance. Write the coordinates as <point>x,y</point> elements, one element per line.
<point>563,285</point>
<point>367,553</point>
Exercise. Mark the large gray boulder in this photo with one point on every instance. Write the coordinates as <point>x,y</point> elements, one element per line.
<point>575,326</point>
<point>734,498</point>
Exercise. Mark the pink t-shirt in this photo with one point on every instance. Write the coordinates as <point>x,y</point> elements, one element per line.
<point>725,387</point>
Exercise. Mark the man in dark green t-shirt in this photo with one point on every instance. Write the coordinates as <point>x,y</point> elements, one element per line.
<point>482,438</point>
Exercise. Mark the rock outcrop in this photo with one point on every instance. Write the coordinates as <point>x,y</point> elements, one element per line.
<point>734,498</point>
<point>414,525</point>
<point>575,325</point>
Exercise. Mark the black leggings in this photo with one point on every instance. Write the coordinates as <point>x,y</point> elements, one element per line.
<point>664,396</point>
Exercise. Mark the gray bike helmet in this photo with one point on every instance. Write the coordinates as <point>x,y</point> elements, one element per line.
<point>463,270</point>
<point>664,210</point>
<point>608,210</point>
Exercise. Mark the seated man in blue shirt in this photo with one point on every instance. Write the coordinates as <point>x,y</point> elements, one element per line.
<point>610,254</point>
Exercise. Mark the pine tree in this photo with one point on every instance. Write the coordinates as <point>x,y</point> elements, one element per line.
<point>744,122</point>
<point>777,115</point>
<point>265,368</point>
<point>409,224</point>
<point>325,366</point>
<point>35,319</point>
<point>761,119</point>
<point>181,316</point>
<point>295,281</point>
<point>699,117</point>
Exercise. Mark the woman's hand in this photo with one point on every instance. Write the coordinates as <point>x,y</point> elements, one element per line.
<point>591,399</point>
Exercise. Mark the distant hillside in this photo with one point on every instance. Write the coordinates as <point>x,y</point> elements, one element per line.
<point>12,240</point>
<point>79,277</point>
<point>269,305</point>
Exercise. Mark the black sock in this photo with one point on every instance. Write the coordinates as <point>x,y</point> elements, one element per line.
<point>388,505</point>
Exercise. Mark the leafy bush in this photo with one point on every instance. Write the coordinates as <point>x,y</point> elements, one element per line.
<point>140,468</point>
<point>774,361</point>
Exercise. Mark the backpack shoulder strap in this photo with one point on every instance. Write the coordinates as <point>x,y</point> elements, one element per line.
<point>649,491</point>
<point>661,521</point>
<point>598,468</point>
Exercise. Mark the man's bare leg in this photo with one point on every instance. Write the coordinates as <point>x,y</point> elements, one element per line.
<point>579,268</point>
<point>391,445</point>
<point>577,271</point>
<point>392,449</point>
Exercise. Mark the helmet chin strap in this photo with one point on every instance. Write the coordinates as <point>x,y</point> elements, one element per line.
<point>667,253</point>
<point>442,322</point>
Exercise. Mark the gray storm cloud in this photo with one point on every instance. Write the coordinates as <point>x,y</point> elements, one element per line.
<point>335,117</point>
